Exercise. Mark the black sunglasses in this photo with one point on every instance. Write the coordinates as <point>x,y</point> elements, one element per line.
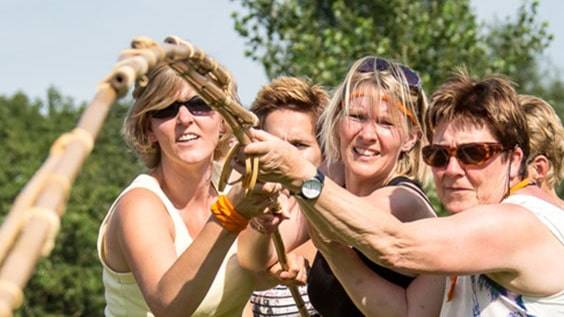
<point>197,107</point>
<point>379,64</point>
<point>470,154</point>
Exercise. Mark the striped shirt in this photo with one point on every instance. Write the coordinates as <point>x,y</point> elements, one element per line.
<point>278,301</point>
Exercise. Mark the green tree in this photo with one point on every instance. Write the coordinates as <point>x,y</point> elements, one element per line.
<point>320,39</point>
<point>69,281</point>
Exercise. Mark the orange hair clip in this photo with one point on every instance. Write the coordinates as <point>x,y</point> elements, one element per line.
<point>393,101</point>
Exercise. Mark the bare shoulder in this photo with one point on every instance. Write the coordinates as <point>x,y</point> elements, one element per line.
<point>139,210</point>
<point>497,218</point>
<point>504,226</point>
<point>403,202</point>
<point>138,218</point>
<point>530,250</point>
<point>502,215</point>
<point>522,219</point>
<point>137,199</point>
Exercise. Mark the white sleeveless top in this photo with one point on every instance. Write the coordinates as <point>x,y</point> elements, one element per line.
<point>477,295</point>
<point>227,295</point>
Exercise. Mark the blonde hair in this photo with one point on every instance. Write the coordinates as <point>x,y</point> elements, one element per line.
<point>388,83</point>
<point>546,136</point>
<point>161,90</point>
<point>290,93</point>
<point>490,102</point>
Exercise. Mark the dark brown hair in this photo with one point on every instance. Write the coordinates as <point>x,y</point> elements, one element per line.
<point>491,102</point>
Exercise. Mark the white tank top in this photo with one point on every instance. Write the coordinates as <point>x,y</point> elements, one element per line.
<point>227,295</point>
<point>477,295</point>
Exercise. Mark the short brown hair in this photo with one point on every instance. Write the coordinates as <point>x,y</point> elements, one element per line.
<point>546,135</point>
<point>490,102</point>
<point>292,93</point>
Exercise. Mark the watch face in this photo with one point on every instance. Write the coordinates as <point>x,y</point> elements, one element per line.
<point>311,188</point>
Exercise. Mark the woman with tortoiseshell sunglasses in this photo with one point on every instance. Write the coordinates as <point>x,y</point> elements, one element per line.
<point>502,248</point>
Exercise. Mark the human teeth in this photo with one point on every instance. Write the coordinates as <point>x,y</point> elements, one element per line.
<point>364,152</point>
<point>188,137</point>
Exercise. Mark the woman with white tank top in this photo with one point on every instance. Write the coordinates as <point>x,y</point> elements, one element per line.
<point>162,250</point>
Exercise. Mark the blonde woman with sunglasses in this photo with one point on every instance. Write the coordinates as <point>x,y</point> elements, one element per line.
<point>372,127</point>
<point>167,243</point>
<point>502,248</point>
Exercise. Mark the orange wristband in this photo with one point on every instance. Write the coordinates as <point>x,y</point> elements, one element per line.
<point>226,214</point>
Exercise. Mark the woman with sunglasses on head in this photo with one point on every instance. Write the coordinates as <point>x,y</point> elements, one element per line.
<point>545,164</point>
<point>373,127</point>
<point>503,246</point>
<point>162,250</point>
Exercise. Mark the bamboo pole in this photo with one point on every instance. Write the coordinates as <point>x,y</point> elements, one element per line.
<point>30,227</point>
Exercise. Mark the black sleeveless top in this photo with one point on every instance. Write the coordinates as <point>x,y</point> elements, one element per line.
<point>325,292</point>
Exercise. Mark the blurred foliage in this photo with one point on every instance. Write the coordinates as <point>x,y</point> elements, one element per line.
<point>69,281</point>
<point>315,38</point>
<point>320,39</point>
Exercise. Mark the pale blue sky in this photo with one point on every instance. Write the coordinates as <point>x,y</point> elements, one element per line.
<point>73,44</point>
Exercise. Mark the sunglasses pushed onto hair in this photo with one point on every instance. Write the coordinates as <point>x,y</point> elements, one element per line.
<point>469,154</point>
<point>196,105</point>
<point>372,64</point>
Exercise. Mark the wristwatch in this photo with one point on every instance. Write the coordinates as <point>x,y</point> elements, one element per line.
<point>311,188</point>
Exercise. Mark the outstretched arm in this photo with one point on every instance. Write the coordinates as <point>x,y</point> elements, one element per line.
<point>374,295</point>
<point>480,239</point>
